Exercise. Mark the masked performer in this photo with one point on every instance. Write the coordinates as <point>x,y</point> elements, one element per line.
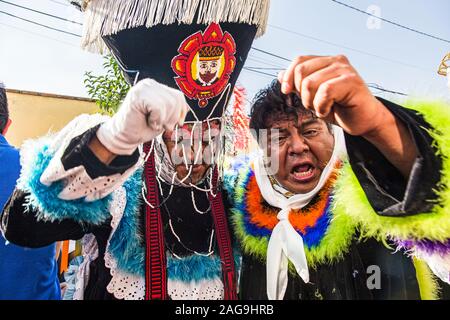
<point>316,223</point>
<point>144,187</point>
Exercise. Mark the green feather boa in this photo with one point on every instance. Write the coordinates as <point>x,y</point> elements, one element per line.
<point>352,210</point>
<point>434,225</point>
<point>333,246</point>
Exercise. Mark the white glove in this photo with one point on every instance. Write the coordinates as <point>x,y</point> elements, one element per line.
<point>148,109</point>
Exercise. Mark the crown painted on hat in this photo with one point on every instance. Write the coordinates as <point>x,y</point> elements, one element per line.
<point>196,46</point>
<point>210,52</point>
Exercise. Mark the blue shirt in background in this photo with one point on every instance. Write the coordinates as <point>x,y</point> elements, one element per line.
<point>25,273</point>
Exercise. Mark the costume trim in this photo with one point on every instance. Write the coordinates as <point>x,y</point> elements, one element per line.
<point>128,238</point>
<point>155,257</point>
<point>312,220</point>
<point>328,241</point>
<point>425,246</point>
<point>428,286</point>
<point>196,290</point>
<point>35,158</point>
<point>105,17</point>
<point>432,226</point>
<point>194,268</point>
<point>223,240</point>
<point>125,253</point>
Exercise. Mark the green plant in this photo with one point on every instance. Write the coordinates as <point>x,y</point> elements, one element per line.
<point>107,90</point>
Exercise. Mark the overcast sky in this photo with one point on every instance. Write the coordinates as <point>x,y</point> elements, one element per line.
<point>38,59</point>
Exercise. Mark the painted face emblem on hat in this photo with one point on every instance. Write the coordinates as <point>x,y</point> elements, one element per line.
<point>205,63</point>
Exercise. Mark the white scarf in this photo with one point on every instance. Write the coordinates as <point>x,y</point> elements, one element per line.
<point>285,244</point>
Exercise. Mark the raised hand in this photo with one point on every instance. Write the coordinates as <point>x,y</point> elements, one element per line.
<point>148,109</point>
<point>334,91</point>
<point>332,88</point>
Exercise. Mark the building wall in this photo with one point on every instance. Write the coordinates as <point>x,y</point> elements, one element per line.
<point>35,114</point>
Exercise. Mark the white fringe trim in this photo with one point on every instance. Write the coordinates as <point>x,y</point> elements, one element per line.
<point>106,17</point>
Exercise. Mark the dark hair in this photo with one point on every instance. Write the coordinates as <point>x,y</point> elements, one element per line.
<point>271,105</point>
<point>4,113</point>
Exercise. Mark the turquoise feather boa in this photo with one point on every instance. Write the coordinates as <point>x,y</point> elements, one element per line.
<point>44,199</point>
<point>126,244</point>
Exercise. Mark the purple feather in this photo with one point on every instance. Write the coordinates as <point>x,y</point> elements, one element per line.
<point>427,246</point>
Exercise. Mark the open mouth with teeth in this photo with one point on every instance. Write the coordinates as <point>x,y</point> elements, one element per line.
<point>303,172</point>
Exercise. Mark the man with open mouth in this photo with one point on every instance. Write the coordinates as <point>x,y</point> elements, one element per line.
<point>340,175</point>
<point>143,188</point>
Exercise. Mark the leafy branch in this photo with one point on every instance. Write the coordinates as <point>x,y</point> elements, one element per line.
<point>107,90</point>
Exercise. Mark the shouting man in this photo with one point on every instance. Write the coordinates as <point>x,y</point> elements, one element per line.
<point>341,166</point>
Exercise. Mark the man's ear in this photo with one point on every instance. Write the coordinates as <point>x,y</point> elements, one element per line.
<point>8,123</point>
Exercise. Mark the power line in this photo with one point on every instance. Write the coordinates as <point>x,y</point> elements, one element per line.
<point>263,61</point>
<point>77,35</point>
<point>336,45</point>
<point>392,22</point>
<point>40,12</point>
<point>378,87</point>
<point>40,24</point>
<point>251,69</point>
<point>369,85</point>
<point>265,68</point>
<point>260,72</point>
<point>61,3</point>
<point>345,47</point>
<point>254,48</point>
<point>39,35</point>
<point>271,54</point>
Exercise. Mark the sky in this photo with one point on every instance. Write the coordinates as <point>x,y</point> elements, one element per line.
<point>38,59</point>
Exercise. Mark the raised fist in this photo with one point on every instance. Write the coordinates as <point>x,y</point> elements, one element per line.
<point>148,109</point>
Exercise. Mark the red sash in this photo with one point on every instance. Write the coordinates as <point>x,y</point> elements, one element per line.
<point>155,259</point>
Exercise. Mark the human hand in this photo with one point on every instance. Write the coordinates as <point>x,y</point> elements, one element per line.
<point>148,109</point>
<point>334,91</point>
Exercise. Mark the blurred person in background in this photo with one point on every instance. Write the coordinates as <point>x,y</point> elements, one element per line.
<point>25,274</point>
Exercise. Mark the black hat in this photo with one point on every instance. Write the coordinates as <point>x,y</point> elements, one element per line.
<point>196,46</point>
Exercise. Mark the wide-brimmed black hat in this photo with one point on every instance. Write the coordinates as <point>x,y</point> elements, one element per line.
<point>196,46</point>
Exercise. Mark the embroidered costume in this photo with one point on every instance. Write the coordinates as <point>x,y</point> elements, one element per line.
<point>155,236</point>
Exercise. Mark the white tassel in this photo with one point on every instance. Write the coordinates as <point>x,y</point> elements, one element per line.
<point>106,17</point>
